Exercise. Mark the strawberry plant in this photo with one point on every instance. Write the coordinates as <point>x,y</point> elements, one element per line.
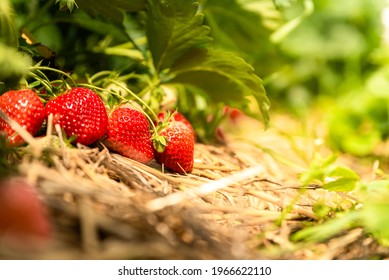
<point>155,45</point>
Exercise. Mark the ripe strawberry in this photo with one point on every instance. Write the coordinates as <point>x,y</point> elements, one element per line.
<point>24,107</point>
<point>178,152</point>
<point>233,114</point>
<point>22,213</point>
<point>129,134</point>
<point>81,113</point>
<point>176,116</point>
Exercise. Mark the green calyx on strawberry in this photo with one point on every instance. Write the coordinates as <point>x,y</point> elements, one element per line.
<point>24,107</point>
<point>128,134</point>
<point>176,116</point>
<point>173,143</point>
<point>81,113</point>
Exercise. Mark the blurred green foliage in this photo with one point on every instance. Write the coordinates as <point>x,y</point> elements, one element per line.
<point>153,43</point>
<point>305,51</point>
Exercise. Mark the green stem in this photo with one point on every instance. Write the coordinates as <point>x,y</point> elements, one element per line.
<point>124,99</point>
<point>35,67</point>
<point>152,84</point>
<point>43,81</point>
<point>140,100</point>
<point>98,75</point>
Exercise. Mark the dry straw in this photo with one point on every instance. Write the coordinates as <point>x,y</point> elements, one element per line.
<point>233,205</point>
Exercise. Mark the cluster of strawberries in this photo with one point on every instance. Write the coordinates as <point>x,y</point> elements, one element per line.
<point>82,114</point>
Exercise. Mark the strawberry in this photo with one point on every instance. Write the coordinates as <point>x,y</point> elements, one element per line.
<point>129,134</point>
<point>233,114</point>
<point>22,213</point>
<point>81,113</point>
<point>24,107</point>
<point>176,116</point>
<point>177,155</point>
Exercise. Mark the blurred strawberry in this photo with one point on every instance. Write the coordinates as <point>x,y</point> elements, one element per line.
<point>233,114</point>
<point>22,214</point>
<point>24,107</point>
<point>80,113</point>
<point>129,134</point>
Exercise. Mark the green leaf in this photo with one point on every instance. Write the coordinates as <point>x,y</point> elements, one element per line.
<point>379,187</point>
<point>342,184</point>
<point>374,196</point>
<point>242,26</point>
<point>112,10</point>
<point>130,6</point>
<point>344,172</point>
<point>100,27</point>
<point>376,220</point>
<point>319,168</point>
<point>111,101</point>
<point>224,76</point>
<point>173,28</point>
<point>319,233</point>
<point>34,84</point>
<point>322,169</point>
<point>346,179</point>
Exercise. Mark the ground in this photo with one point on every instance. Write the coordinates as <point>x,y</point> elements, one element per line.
<point>243,200</point>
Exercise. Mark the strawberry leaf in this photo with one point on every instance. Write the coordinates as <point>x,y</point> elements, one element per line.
<point>173,28</point>
<point>224,76</point>
<point>112,10</point>
<point>179,44</point>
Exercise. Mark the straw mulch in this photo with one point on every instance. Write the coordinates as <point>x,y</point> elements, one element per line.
<point>238,203</point>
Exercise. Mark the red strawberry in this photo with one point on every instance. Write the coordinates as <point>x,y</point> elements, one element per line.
<point>178,152</point>
<point>24,107</point>
<point>22,213</point>
<point>129,134</point>
<point>176,116</point>
<point>233,113</point>
<point>81,113</point>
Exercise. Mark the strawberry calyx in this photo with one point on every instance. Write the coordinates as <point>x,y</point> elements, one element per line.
<point>160,141</point>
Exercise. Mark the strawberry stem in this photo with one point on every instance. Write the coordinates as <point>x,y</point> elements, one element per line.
<point>43,81</point>
<point>37,67</point>
<point>140,100</point>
